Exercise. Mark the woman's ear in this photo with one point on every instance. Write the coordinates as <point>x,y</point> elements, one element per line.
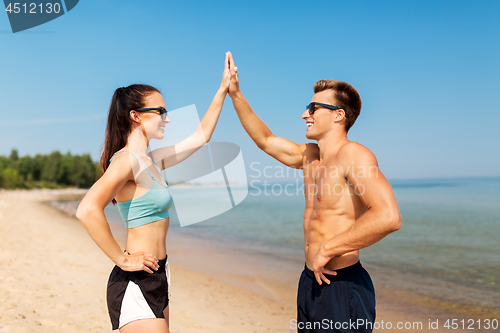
<point>134,117</point>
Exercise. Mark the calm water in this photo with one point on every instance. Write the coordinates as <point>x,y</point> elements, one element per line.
<point>450,230</point>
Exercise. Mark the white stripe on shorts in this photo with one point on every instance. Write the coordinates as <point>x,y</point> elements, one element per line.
<point>134,305</point>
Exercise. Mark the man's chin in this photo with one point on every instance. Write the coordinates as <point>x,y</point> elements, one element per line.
<point>310,136</point>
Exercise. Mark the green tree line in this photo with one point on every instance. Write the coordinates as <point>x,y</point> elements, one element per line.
<point>47,171</point>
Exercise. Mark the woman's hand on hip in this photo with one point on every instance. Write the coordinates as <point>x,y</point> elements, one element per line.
<point>140,261</point>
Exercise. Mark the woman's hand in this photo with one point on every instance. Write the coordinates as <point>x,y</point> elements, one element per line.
<point>177,153</point>
<point>140,261</point>
<point>226,75</point>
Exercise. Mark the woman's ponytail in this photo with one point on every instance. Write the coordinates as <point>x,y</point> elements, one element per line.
<point>119,123</point>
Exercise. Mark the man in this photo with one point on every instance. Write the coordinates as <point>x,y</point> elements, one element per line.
<point>349,205</point>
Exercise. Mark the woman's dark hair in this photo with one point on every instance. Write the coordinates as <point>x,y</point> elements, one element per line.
<point>119,122</point>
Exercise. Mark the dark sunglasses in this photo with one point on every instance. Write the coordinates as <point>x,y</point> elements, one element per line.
<point>163,111</point>
<point>312,107</point>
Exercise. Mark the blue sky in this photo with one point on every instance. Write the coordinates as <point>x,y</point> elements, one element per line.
<point>428,74</point>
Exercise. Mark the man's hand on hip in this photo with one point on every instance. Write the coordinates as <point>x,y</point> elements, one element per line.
<point>319,263</point>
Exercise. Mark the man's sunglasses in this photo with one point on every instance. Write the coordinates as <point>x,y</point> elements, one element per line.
<point>313,106</point>
<point>163,111</point>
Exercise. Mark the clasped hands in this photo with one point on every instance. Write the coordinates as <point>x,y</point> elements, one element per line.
<point>230,82</point>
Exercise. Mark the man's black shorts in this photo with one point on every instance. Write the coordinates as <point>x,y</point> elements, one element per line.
<point>347,304</point>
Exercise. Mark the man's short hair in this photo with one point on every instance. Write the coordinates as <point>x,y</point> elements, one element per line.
<point>345,96</point>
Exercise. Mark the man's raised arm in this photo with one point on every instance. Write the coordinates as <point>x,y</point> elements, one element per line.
<point>285,151</point>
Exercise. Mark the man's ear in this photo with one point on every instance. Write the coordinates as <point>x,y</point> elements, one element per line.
<point>340,114</point>
<point>343,113</point>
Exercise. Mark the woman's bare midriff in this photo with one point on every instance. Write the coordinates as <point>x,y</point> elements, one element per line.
<point>149,238</point>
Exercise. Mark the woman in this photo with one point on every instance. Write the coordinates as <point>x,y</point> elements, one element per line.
<point>137,293</point>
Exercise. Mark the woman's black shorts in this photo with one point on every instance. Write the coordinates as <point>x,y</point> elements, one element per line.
<point>137,295</point>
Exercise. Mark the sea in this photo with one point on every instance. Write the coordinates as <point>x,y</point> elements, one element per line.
<point>447,250</point>
<point>450,229</point>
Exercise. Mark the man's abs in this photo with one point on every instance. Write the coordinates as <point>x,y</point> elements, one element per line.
<point>332,207</point>
<point>319,230</point>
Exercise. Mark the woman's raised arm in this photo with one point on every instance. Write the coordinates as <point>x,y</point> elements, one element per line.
<point>168,156</point>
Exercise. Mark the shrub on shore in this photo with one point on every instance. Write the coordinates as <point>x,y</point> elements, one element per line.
<point>47,171</point>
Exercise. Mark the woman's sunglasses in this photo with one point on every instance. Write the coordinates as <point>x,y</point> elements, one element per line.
<point>163,111</point>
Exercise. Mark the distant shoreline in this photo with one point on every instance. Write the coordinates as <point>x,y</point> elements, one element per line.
<point>394,182</point>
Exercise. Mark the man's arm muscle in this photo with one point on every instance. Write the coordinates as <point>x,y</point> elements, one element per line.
<point>380,219</point>
<point>285,151</point>
<point>382,216</point>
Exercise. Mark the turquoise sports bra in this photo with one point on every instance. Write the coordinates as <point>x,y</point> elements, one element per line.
<point>149,207</point>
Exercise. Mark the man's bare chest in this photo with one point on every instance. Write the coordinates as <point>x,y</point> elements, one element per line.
<point>325,184</point>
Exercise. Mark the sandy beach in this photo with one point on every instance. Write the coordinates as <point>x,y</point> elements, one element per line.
<point>53,279</point>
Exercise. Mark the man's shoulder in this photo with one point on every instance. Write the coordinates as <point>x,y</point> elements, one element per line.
<point>353,152</point>
<point>311,150</point>
<point>310,146</point>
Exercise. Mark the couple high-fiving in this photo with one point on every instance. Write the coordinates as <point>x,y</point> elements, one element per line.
<point>349,203</point>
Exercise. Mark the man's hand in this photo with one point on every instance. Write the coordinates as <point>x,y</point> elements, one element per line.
<point>234,87</point>
<point>319,263</point>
